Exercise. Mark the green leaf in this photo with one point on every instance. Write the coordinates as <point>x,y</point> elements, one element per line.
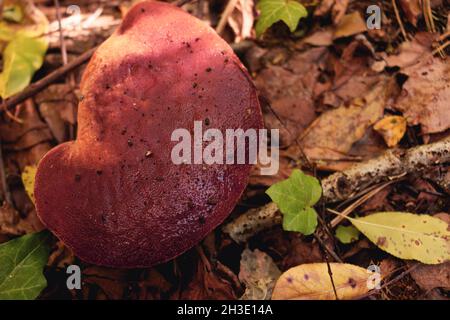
<point>288,11</point>
<point>28,175</point>
<point>407,236</point>
<point>347,234</point>
<point>21,264</point>
<point>22,57</point>
<point>304,221</point>
<point>295,197</point>
<point>296,193</point>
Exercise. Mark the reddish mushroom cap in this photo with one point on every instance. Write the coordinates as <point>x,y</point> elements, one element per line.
<point>114,195</point>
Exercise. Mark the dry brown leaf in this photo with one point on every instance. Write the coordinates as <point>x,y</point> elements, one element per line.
<point>321,38</point>
<point>258,272</point>
<point>392,129</point>
<point>332,135</point>
<point>412,10</point>
<point>11,223</point>
<point>349,25</point>
<point>289,91</point>
<point>411,51</point>
<point>312,282</point>
<point>425,95</point>
<point>429,277</point>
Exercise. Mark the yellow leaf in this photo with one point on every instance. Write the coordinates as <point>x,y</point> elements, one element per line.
<point>392,129</point>
<point>407,236</point>
<point>28,174</point>
<point>312,282</point>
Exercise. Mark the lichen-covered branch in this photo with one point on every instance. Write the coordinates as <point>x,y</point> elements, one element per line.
<point>342,185</point>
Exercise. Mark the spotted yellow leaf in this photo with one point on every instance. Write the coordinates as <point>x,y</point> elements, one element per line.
<point>407,236</point>
<point>312,282</point>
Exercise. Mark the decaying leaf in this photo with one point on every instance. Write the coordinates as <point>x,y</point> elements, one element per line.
<point>28,175</point>
<point>22,261</point>
<point>258,272</point>
<point>312,282</point>
<point>349,25</point>
<point>407,236</point>
<point>11,223</point>
<point>425,95</point>
<point>392,129</point>
<point>332,135</point>
<point>429,277</point>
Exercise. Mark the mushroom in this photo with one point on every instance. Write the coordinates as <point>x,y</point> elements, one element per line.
<point>114,196</point>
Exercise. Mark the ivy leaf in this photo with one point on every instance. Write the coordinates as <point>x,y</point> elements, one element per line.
<point>347,234</point>
<point>407,236</point>
<point>288,11</point>
<point>295,197</point>
<point>296,193</point>
<point>304,221</point>
<point>22,261</point>
<point>28,175</point>
<point>22,57</point>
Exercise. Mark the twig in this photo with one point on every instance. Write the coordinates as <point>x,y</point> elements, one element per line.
<point>358,202</point>
<point>6,193</point>
<point>225,15</point>
<point>38,86</point>
<point>399,20</point>
<point>392,164</point>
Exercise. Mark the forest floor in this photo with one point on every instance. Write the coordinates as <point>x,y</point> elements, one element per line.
<point>339,94</point>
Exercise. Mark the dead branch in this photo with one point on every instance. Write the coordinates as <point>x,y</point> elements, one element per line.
<point>36,87</point>
<point>342,185</point>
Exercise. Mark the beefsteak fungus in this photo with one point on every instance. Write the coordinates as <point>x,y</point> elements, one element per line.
<point>114,195</point>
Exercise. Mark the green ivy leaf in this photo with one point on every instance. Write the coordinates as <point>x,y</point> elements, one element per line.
<point>22,57</point>
<point>21,264</point>
<point>295,197</point>
<point>304,221</point>
<point>288,11</point>
<point>347,234</point>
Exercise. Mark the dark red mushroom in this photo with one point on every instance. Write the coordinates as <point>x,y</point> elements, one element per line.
<point>114,195</point>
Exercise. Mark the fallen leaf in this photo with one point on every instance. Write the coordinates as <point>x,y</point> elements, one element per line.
<point>392,129</point>
<point>11,223</point>
<point>412,10</point>
<point>320,38</point>
<point>407,236</point>
<point>411,51</point>
<point>349,25</point>
<point>347,234</point>
<point>312,282</point>
<point>258,272</point>
<point>429,277</point>
<point>22,261</point>
<point>28,174</point>
<point>425,95</point>
<point>332,135</point>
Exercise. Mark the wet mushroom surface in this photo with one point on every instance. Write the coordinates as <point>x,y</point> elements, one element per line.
<point>114,195</point>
